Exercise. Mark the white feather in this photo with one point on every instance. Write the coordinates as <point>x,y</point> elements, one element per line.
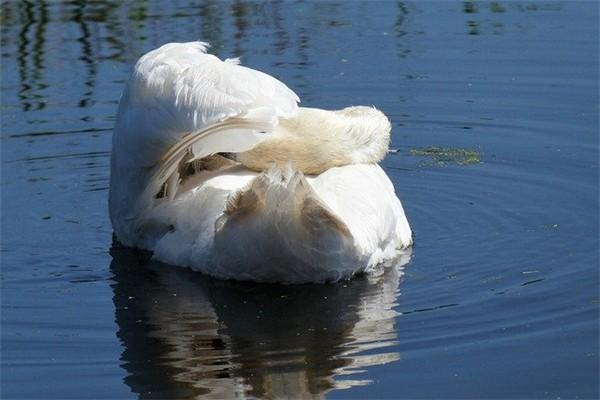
<point>274,244</point>
<point>178,92</point>
<point>182,104</point>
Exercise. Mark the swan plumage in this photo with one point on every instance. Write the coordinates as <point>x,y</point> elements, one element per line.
<point>303,201</point>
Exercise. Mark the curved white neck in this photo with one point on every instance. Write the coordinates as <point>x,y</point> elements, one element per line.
<point>315,140</point>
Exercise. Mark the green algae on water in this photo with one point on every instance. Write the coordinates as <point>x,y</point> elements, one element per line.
<point>444,155</point>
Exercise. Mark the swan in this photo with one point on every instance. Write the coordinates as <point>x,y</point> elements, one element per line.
<point>215,167</point>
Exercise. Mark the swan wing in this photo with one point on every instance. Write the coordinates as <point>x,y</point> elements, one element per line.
<point>181,100</point>
<point>363,196</point>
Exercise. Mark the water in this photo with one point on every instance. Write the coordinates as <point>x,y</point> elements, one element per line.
<point>494,108</point>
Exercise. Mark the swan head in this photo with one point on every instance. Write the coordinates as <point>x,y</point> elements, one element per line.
<point>316,140</point>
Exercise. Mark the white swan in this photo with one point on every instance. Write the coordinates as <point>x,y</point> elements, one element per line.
<point>258,217</point>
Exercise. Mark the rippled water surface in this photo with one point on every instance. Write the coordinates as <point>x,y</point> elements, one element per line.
<point>494,107</point>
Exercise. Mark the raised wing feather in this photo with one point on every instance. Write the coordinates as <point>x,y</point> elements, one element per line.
<point>178,92</point>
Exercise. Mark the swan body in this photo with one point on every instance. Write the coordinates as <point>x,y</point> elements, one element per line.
<point>303,201</point>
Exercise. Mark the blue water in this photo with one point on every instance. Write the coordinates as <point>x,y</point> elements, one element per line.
<point>499,300</point>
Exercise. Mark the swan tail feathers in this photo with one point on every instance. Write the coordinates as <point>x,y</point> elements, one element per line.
<point>317,217</point>
<point>285,193</point>
<point>245,202</point>
<point>278,216</point>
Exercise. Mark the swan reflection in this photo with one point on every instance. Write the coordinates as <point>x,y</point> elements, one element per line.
<point>186,335</point>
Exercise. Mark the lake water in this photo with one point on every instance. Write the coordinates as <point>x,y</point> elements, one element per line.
<point>494,107</point>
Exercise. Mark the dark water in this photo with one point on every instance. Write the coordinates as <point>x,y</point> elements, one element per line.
<point>495,118</point>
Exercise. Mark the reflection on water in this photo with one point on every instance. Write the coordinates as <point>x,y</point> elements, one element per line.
<point>186,335</point>
<point>31,68</point>
<point>87,56</point>
<point>47,37</point>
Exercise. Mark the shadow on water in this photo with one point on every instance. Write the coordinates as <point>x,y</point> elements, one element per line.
<point>185,334</point>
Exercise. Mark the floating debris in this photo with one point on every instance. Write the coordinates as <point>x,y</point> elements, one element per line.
<point>444,155</point>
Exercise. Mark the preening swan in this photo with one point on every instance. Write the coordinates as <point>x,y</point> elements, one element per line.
<point>299,197</point>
